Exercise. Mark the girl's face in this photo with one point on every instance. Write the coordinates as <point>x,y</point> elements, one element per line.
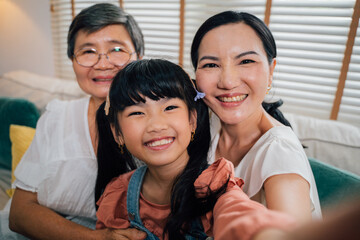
<point>233,72</point>
<point>158,132</point>
<point>96,80</point>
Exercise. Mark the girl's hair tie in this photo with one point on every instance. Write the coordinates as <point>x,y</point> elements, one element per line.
<point>199,95</point>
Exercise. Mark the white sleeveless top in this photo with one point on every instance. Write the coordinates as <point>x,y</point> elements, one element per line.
<point>278,151</point>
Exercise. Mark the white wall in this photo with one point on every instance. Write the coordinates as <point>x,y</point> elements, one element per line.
<point>25,36</point>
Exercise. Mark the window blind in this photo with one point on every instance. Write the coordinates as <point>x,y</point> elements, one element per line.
<point>160,23</point>
<point>350,102</point>
<point>311,37</point>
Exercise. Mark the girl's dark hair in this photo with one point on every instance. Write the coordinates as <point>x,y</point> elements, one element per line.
<point>101,15</point>
<point>262,31</point>
<point>156,79</point>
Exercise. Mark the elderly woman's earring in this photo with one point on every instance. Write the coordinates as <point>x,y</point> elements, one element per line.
<point>268,89</point>
<point>121,147</point>
<point>192,135</point>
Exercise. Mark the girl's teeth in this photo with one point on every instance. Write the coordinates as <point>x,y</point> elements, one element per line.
<point>160,142</point>
<point>233,99</point>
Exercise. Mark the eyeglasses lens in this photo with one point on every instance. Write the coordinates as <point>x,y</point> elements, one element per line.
<point>88,57</point>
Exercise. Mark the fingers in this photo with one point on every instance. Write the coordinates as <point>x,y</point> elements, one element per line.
<point>130,233</point>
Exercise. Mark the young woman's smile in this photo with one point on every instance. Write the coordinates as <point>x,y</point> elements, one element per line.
<point>231,100</point>
<point>233,71</point>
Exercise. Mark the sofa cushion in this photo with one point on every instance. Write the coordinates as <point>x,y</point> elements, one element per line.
<point>38,89</point>
<point>332,142</point>
<point>21,138</point>
<point>14,111</point>
<point>334,185</point>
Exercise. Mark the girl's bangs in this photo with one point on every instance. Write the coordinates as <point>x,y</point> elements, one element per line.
<point>138,81</point>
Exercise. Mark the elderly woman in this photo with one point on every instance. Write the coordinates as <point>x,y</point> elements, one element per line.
<point>55,180</point>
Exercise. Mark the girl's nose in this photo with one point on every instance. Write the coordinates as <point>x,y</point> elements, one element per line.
<point>157,123</point>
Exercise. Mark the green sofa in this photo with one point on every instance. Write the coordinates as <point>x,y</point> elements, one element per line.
<point>14,111</point>
<point>334,185</point>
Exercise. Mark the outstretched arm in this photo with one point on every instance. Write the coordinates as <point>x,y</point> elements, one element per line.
<point>289,193</point>
<point>238,217</point>
<point>29,218</point>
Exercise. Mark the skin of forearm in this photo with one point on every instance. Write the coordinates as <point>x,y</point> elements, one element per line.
<point>271,234</point>
<point>30,219</point>
<point>38,222</point>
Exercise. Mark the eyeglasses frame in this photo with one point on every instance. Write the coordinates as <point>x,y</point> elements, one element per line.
<point>107,57</point>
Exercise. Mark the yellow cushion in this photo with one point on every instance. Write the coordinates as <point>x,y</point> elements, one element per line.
<point>20,137</point>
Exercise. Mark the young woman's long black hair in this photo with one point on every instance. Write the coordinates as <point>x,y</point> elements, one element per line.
<point>155,79</point>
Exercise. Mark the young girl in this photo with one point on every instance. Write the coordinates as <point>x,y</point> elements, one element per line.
<point>157,116</point>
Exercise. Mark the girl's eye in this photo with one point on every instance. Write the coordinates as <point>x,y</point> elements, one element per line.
<point>135,113</point>
<point>209,65</point>
<point>170,108</point>
<point>246,61</point>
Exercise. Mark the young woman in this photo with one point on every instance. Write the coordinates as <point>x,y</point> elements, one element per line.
<point>234,56</point>
<point>158,117</point>
<point>55,180</point>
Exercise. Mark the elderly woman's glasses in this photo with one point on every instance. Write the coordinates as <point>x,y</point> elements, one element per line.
<point>88,57</point>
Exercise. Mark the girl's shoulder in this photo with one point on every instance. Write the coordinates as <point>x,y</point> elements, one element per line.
<point>116,189</point>
<point>118,183</point>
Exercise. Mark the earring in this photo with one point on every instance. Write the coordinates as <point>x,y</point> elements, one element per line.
<point>268,89</point>
<point>121,148</point>
<point>192,136</point>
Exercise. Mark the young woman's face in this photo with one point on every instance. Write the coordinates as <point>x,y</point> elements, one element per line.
<point>158,132</point>
<point>96,80</point>
<point>233,72</point>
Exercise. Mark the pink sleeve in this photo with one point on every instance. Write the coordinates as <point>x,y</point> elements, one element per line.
<point>112,212</point>
<point>211,179</point>
<point>238,217</point>
<point>235,215</point>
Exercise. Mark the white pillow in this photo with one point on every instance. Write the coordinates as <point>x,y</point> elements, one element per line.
<point>45,83</point>
<point>38,89</point>
<point>330,141</point>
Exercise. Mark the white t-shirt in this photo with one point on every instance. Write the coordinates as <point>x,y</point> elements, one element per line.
<point>278,151</point>
<point>60,164</point>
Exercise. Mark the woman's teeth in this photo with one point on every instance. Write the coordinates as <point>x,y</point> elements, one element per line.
<point>233,99</point>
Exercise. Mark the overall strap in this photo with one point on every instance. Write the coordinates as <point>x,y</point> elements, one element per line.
<point>132,201</point>
<point>197,231</point>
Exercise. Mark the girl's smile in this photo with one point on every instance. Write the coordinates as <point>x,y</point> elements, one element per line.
<point>158,131</point>
<point>160,143</point>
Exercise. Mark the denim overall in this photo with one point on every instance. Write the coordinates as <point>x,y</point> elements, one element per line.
<point>133,193</point>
